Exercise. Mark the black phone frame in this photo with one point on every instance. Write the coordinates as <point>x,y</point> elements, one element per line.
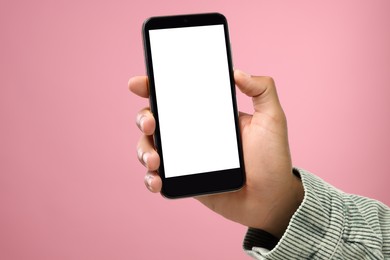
<point>200,183</point>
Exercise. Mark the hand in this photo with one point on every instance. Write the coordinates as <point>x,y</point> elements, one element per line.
<point>272,193</point>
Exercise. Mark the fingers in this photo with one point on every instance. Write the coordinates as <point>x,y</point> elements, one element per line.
<point>153,182</point>
<point>146,122</point>
<point>261,89</point>
<point>146,153</point>
<point>151,160</point>
<point>139,85</point>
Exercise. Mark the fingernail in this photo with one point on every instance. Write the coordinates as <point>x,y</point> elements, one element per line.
<point>244,74</point>
<point>149,180</point>
<point>145,157</point>
<point>139,154</point>
<point>140,122</point>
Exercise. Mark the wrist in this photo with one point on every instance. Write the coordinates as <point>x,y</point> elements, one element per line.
<point>285,206</point>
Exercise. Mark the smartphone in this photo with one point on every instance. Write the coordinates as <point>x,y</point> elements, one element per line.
<point>192,97</point>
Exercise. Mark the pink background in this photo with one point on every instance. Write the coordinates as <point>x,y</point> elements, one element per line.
<point>71,186</point>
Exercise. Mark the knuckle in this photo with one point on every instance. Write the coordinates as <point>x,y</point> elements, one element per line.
<point>269,81</point>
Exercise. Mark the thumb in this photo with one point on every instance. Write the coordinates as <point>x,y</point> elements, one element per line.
<point>262,90</point>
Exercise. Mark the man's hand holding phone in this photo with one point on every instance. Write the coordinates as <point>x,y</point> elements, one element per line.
<point>272,193</point>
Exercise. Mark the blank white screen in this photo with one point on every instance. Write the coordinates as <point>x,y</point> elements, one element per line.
<point>194,100</point>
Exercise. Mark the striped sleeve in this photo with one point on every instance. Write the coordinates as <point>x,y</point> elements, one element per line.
<point>330,224</point>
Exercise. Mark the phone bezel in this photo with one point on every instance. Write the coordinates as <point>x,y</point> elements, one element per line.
<point>200,183</point>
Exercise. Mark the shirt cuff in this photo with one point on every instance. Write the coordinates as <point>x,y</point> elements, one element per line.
<point>320,215</point>
<point>259,238</point>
